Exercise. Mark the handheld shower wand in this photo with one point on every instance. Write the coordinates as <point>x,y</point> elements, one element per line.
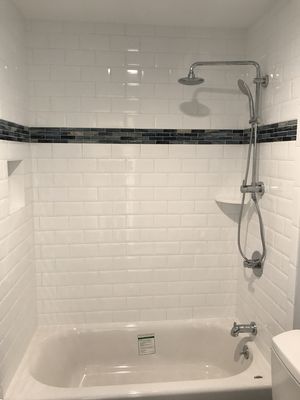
<point>257,259</point>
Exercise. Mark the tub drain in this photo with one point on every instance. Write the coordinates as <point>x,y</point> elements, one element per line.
<point>258,377</point>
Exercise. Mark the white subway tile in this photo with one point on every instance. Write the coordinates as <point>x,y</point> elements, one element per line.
<point>124,43</point>
<point>110,120</point>
<point>83,222</point>
<point>83,120</point>
<point>80,57</point>
<point>82,194</point>
<point>94,74</point>
<point>80,89</point>
<point>143,121</point>
<point>109,28</point>
<point>94,104</point>
<point>95,151</point>
<point>104,89</point>
<point>58,40</point>
<point>48,88</point>
<point>94,42</point>
<point>64,73</point>
<point>39,72</point>
<point>65,104</point>
<point>140,59</point>
<point>125,105</point>
<point>83,165</point>
<point>48,56</point>
<point>68,150</point>
<point>126,151</point>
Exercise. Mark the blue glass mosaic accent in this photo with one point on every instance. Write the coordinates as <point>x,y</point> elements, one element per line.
<point>14,132</point>
<point>282,131</point>
<point>140,136</point>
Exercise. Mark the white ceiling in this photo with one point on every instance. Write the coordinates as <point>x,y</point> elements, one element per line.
<point>198,13</point>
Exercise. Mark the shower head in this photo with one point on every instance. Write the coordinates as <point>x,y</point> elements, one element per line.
<point>191,79</point>
<point>244,88</point>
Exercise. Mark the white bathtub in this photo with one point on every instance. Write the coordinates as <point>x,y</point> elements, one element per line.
<point>195,359</point>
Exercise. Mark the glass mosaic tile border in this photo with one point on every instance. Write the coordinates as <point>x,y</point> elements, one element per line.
<point>282,131</point>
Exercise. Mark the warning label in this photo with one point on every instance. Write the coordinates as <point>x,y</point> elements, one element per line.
<point>146,344</point>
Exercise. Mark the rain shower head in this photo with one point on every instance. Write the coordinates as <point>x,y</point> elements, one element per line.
<point>191,79</point>
<point>244,88</point>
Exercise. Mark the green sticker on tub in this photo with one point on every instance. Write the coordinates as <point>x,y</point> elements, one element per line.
<point>146,344</point>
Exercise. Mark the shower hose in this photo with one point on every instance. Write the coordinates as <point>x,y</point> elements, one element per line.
<point>252,262</point>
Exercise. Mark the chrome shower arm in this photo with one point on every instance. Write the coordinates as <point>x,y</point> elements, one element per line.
<point>259,80</point>
<point>216,63</point>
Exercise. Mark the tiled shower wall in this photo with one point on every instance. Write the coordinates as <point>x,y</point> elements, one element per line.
<point>13,71</point>
<point>269,299</point>
<point>146,248</point>
<point>106,75</point>
<point>133,232</point>
<point>17,274</point>
<point>274,42</point>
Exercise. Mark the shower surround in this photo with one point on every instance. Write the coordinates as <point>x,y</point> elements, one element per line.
<point>132,232</point>
<point>128,232</point>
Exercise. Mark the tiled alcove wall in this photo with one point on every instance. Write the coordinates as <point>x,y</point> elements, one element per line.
<point>110,75</point>
<point>132,232</point>
<point>271,299</point>
<point>49,106</point>
<point>17,272</point>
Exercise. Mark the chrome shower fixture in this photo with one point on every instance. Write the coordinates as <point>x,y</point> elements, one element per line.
<point>259,80</point>
<point>244,88</point>
<point>254,187</point>
<point>191,79</point>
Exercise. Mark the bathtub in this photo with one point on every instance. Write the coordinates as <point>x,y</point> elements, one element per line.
<point>174,360</point>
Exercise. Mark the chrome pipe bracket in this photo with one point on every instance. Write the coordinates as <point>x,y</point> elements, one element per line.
<point>259,187</point>
<point>263,81</point>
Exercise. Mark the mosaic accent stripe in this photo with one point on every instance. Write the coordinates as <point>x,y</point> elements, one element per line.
<point>139,136</point>
<point>269,133</point>
<point>283,131</point>
<point>13,132</point>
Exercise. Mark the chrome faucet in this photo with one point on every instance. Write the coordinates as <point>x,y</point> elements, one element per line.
<point>244,328</point>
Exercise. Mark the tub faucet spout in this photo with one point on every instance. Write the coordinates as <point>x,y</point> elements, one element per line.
<point>243,328</point>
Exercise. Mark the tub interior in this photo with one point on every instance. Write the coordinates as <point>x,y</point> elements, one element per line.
<point>79,358</point>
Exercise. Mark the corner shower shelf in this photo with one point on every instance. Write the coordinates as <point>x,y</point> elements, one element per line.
<point>228,200</point>
<point>230,205</point>
<point>16,185</point>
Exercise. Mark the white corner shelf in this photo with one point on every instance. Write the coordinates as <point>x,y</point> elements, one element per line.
<point>231,205</point>
<point>16,185</point>
<point>231,200</point>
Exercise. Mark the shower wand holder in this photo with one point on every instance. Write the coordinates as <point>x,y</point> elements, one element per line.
<point>259,187</point>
